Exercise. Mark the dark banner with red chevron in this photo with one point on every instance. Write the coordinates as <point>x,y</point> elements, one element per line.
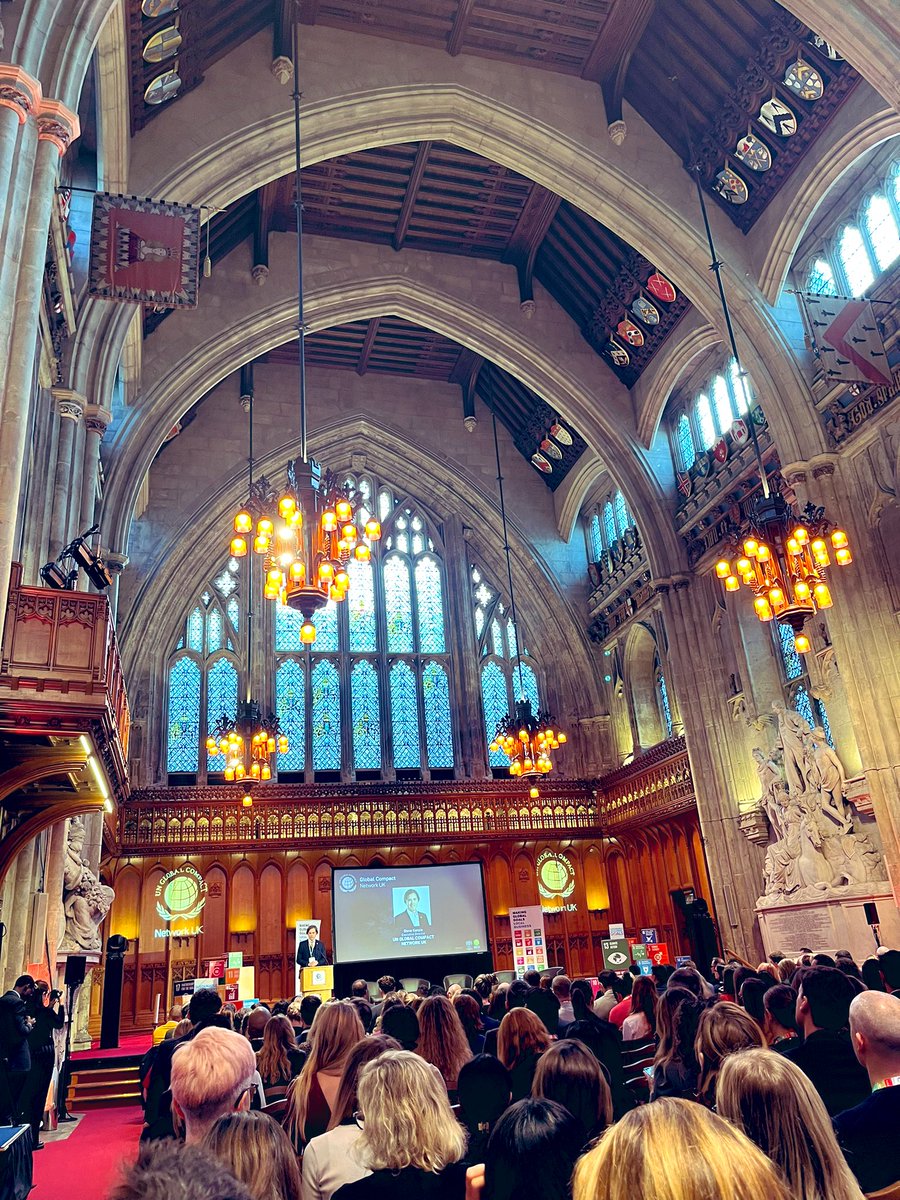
<point>144,252</point>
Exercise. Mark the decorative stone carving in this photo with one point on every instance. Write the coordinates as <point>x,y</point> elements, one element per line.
<point>817,852</point>
<point>57,124</point>
<point>617,131</point>
<point>86,900</point>
<point>283,69</point>
<point>259,274</point>
<point>18,91</point>
<point>527,309</point>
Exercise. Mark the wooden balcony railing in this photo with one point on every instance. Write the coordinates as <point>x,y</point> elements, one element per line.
<point>656,785</point>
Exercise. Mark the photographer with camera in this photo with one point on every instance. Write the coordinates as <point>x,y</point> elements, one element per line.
<point>48,1014</point>
<point>15,1026</point>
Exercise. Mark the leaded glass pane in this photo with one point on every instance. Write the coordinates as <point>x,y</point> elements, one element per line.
<point>855,259</point>
<point>326,623</point>
<point>609,523</point>
<point>820,278</point>
<point>430,606</point>
<point>596,538</point>
<point>684,442</point>
<point>366,717</point>
<point>398,605</point>
<point>803,706</point>
<point>436,700</point>
<point>705,421</point>
<point>495,701</point>
<point>623,519</point>
<point>793,664</point>
<point>234,613</point>
<point>195,631</point>
<point>385,504</point>
<point>722,401</point>
<point>882,230</point>
<point>287,628</point>
<point>664,701</point>
<point>226,583</point>
<point>326,716</point>
<point>526,684</point>
<point>361,606</point>
<point>479,621</point>
<point>290,707</point>
<point>183,743</point>
<point>221,700</point>
<point>213,631</point>
<point>404,718</point>
<point>740,387</point>
<point>511,638</point>
<point>497,637</point>
<point>822,719</point>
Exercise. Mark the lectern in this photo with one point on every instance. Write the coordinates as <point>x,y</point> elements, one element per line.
<point>317,981</point>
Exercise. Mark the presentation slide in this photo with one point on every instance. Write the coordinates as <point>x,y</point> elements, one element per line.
<point>393,912</point>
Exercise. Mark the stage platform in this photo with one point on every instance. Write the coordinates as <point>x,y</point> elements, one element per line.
<point>131,1045</point>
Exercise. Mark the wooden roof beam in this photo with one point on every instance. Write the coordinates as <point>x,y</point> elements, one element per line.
<point>465,373</point>
<point>536,218</point>
<point>284,16</point>
<point>610,57</point>
<point>412,193</point>
<point>266,198</point>
<point>457,34</point>
<point>366,351</point>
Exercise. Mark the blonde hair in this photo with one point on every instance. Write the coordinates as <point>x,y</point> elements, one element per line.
<point>209,1074</point>
<point>786,969</point>
<point>363,1052</point>
<point>723,1029</point>
<point>771,1100</point>
<point>272,1060</point>
<point>407,1119</point>
<point>256,1150</point>
<point>184,1026</point>
<point>336,1028</point>
<point>675,1150</point>
<point>521,1032</point>
<point>442,1039</point>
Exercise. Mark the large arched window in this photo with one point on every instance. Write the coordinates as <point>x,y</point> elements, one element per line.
<point>502,681</point>
<point>697,422</point>
<point>377,675</point>
<point>203,672</point>
<point>797,685</point>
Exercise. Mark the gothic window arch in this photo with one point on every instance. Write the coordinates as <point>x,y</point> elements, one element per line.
<point>607,525</point>
<point>377,676</point>
<point>698,421</point>
<point>798,693</point>
<point>203,672</point>
<point>502,683</point>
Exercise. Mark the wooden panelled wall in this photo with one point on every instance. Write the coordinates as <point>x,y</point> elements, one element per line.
<point>255,898</point>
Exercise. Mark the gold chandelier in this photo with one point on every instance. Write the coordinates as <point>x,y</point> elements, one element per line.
<point>783,561</point>
<point>247,744</point>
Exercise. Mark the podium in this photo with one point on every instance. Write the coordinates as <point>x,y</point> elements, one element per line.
<point>317,981</point>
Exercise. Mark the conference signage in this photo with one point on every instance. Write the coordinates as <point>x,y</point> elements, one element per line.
<point>658,953</point>
<point>529,940</point>
<point>648,936</point>
<point>556,880</point>
<point>615,954</point>
<point>180,898</point>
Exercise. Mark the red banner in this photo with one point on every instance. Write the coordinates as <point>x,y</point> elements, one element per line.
<point>144,252</point>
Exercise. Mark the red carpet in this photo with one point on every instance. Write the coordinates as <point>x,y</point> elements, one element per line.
<point>129,1043</point>
<point>86,1165</point>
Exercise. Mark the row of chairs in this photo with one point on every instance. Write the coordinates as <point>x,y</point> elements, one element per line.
<point>465,981</point>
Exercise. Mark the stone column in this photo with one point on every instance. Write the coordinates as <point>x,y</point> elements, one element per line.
<point>96,422</point>
<point>20,97</point>
<point>117,564</point>
<point>69,407</point>
<point>465,693</point>
<point>56,128</point>
<point>19,917</point>
<point>721,778</point>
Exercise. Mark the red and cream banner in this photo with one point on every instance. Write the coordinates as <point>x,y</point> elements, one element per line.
<point>144,252</point>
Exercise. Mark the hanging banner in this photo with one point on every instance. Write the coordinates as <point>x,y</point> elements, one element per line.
<point>529,941</point>
<point>144,252</point>
<point>848,340</point>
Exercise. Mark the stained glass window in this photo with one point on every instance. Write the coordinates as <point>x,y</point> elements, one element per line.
<point>497,637</point>
<point>740,387</point>
<point>287,628</point>
<point>290,707</point>
<point>705,421</point>
<point>195,631</point>
<point>234,613</point>
<point>430,606</point>
<point>495,701</point>
<point>596,538</point>
<point>803,706</point>
<point>527,684</point>
<point>213,631</point>
<point>326,623</point>
<point>511,638</point>
<point>183,742</point>
<point>820,278</point>
<point>793,664</point>
<point>326,716</point>
<point>623,518</point>
<point>882,230</point>
<point>664,702</point>
<point>855,260</point>
<point>609,523</point>
<point>684,442</point>
<point>221,700</point>
<point>822,719</point>
<point>366,717</point>
<point>436,703</point>
<point>722,401</point>
<point>404,717</point>
<point>360,604</point>
<point>398,605</point>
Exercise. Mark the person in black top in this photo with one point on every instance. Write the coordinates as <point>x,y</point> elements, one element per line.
<point>532,1152</point>
<point>48,1015</point>
<point>484,1090</point>
<point>826,1053</point>
<point>867,1133</point>
<point>311,951</point>
<point>15,1057</point>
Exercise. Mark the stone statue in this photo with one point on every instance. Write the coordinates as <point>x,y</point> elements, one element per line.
<point>86,900</point>
<point>792,730</point>
<point>773,797</point>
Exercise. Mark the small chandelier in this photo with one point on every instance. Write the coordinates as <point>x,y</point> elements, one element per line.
<point>247,743</point>
<point>525,738</point>
<point>783,560</point>
<point>308,534</point>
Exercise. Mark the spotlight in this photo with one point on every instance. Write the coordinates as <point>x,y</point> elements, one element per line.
<point>93,566</point>
<point>54,576</point>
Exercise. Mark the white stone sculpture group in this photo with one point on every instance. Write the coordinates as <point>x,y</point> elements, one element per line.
<point>816,847</point>
<point>86,900</point>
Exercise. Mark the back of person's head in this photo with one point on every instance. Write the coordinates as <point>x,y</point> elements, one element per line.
<point>622,985</point>
<point>660,975</point>
<point>723,1029</point>
<point>345,1101</point>
<point>823,960</point>
<point>335,1031</point>
<point>516,994</point>
<point>484,1090</point>
<point>780,1004</point>
<point>258,1152</point>
<point>582,987</point>
<point>175,1013</point>
<point>849,968</point>
<point>728,981</point>
<point>677,1016</point>
<point>676,1150</point>
<point>211,1073</point>
<point>752,998</point>
<point>359,987</point>
<point>532,1151</point>
<point>687,977</point>
<point>166,1170</point>
<point>562,987</point>
<point>786,969</point>
<point>532,978</point>
<point>569,1074</point>
<point>204,1005</point>
<point>485,984</point>
<point>521,1033</point>
<point>468,1010</point>
<point>407,1120</point>
<point>643,999</point>
<point>824,997</point>
<point>890,969</point>
<point>442,1039</point>
<point>771,1100</point>
<point>364,1008</point>
<point>278,1040</point>
<point>401,1022</point>
<point>387,984</point>
<point>871,975</point>
<point>497,1006</point>
<point>257,1021</point>
<point>183,1028</point>
<point>545,1005</point>
<point>741,975</point>
<point>875,1031</point>
<point>309,1006</point>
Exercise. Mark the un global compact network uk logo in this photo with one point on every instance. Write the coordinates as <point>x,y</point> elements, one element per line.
<point>348,883</point>
<point>181,894</point>
<point>555,874</point>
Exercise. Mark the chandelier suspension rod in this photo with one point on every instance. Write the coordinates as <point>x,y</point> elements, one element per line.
<point>250,571</point>
<point>512,593</point>
<point>298,209</point>
<point>716,267</point>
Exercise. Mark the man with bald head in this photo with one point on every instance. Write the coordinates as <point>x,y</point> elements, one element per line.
<point>868,1133</point>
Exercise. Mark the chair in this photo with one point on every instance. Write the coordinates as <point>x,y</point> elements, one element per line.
<point>413,985</point>
<point>464,981</point>
<point>505,976</point>
<point>374,991</point>
<point>552,972</point>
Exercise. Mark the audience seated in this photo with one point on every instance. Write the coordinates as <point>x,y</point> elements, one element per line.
<point>675,1067</point>
<point>773,1102</point>
<point>387,985</point>
<point>169,1171</point>
<point>279,1060</point>
<point>869,1132</point>
<point>826,1052</point>
<point>309,1006</point>
<point>442,1040</point>
<point>546,1007</point>
<point>561,987</point>
<point>330,1160</point>
<point>532,1151</point>
<point>204,1011</point>
<point>400,1022</point>
<point>676,1150</point>
<point>779,1017</point>
<point>568,1074</point>
<point>212,1074</point>
<point>335,1031</point>
<point>522,1039</point>
<point>485,1093</point>
<point>641,1020</point>
<point>607,998</point>
<point>722,1030</point>
<point>163,1031</point>
<point>469,1012</point>
<point>411,1142</point>
<point>257,1151</point>
<point>256,1026</point>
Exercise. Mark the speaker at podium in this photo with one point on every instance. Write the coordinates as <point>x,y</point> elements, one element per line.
<point>317,981</point>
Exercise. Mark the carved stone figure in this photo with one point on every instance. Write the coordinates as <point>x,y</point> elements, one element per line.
<point>773,794</point>
<point>792,730</point>
<point>86,900</point>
